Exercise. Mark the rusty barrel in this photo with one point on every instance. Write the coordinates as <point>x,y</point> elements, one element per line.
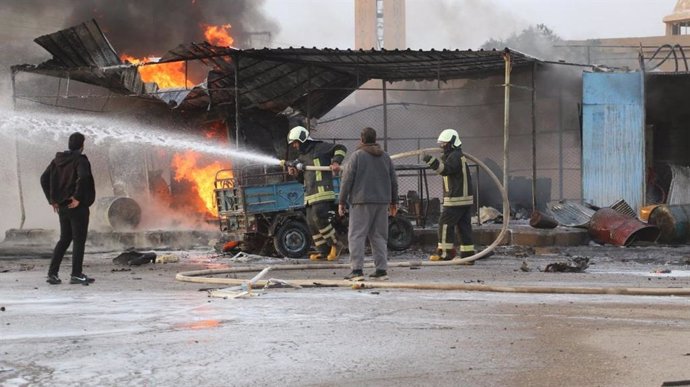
<point>541,220</point>
<point>612,227</point>
<point>117,213</point>
<point>673,221</point>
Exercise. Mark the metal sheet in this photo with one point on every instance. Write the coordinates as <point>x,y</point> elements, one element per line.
<point>613,158</point>
<point>572,214</point>
<point>679,191</point>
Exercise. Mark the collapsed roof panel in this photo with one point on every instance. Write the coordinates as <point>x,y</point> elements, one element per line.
<point>80,46</point>
<point>307,79</point>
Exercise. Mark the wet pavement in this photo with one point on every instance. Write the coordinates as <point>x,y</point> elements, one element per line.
<point>138,326</point>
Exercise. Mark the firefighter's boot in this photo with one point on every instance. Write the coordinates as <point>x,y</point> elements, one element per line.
<point>440,256</point>
<point>333,254</point>
<point>315,256</point>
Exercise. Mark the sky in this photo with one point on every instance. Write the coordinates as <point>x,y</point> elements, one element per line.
<point>467,24</point>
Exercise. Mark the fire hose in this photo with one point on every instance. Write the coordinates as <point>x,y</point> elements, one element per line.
<point>203,276</point>
<point>504,196</point>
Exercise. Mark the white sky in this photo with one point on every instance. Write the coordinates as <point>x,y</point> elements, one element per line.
<point>467,24</point>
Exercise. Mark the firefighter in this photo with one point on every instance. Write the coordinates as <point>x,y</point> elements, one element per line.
<point>319,195</point>
<point>456,218</point>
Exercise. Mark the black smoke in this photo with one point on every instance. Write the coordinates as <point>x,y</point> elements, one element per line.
<point>152,27</point>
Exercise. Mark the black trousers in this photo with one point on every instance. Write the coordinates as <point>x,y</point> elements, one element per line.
<point>322,231</point>
<point>74,224</point>
<point>455,225</point>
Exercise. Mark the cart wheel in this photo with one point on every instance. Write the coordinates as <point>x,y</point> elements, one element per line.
<point>292,240</point>
<point>400,233</point>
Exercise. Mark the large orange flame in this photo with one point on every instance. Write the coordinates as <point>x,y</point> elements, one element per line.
<point>187,167</point>
<point>166,75</point>
<point>218,35</point>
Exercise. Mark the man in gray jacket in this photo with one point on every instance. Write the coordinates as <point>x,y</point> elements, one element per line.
<point>369,186</point>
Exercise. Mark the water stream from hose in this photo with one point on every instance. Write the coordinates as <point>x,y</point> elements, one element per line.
<point>36,127</point>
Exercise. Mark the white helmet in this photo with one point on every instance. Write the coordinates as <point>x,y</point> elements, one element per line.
<point>450,135</point>
<point>298,133</point>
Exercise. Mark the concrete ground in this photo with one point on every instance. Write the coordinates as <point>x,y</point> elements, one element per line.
<point>139,326</point>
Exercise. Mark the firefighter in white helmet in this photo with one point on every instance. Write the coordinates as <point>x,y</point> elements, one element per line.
<point>319,195</point>
<point>456,217</point>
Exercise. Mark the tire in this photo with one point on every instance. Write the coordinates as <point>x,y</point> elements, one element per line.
<point>292,240</point>
<point>400,233</point>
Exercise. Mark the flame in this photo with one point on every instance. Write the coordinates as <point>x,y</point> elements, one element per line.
<point>187,167</point>
<point>216,131</point>
<point>166,75</point>
<point>218,35</point>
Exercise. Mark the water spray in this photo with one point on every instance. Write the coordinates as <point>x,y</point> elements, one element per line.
<point>39,126</point>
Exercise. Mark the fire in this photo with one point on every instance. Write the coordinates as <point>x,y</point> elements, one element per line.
<point>166,75</point>
<point>218,35</point>
<point>187,167</point>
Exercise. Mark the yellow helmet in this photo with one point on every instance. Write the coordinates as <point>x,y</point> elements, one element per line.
<point>450,135</point>
<point>298,133</point>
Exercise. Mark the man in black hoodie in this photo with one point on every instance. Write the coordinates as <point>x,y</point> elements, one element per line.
<point>69,187</point>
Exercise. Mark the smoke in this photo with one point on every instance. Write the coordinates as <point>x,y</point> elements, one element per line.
<point>145,27</point>
<point>457,24</point>
<point>154,26</point>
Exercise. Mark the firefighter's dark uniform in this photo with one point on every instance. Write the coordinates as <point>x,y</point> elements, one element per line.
<point>457,204</point>
<point>319,196</point>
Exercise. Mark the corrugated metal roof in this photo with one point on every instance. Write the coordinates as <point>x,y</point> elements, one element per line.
<point>572,214</point>
<point>307,79</point>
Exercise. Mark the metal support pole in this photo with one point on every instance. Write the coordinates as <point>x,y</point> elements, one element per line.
<point>236,61</point>
<point>67,86</point>
<point>57,95</point>
<point>19,183</point>
<point>534,137</point>
<point>309,98</point>
<point>385,116</point>
<point>14,90</point>
<point>506,124</point>
<point>560,142</point>
<point>22,209</point>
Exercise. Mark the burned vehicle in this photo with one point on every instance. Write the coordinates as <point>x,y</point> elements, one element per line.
<point>261,211</point>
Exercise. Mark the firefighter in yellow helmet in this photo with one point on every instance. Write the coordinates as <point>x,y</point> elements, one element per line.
<point>456,217</point>
<point>319,195</point>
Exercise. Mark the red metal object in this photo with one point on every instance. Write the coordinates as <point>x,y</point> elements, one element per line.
<point>611,227</point>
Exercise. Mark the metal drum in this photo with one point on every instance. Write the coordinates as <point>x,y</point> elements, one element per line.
<point>672,221</point>
<point>610,226</point>
<point>117,212</point>
<point>541,220</point>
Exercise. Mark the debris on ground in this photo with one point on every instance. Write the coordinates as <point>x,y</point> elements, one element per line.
<point>661,271</point>
<point>279,283</point>
<point>134,258</point>
<point>576,265</point>
<point>168,258</point>
<point>525,267</point>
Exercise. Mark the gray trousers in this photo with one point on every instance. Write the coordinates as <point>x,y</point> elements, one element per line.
<point>368,221</point>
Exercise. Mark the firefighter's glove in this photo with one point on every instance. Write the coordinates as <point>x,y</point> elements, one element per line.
<point>427,158</point>
<point>295,164</point>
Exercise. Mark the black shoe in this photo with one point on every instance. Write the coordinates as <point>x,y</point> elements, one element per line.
<point>81,279</point>
<point>53,279</point>
<point>355,275</point>
<point>380,275</point>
